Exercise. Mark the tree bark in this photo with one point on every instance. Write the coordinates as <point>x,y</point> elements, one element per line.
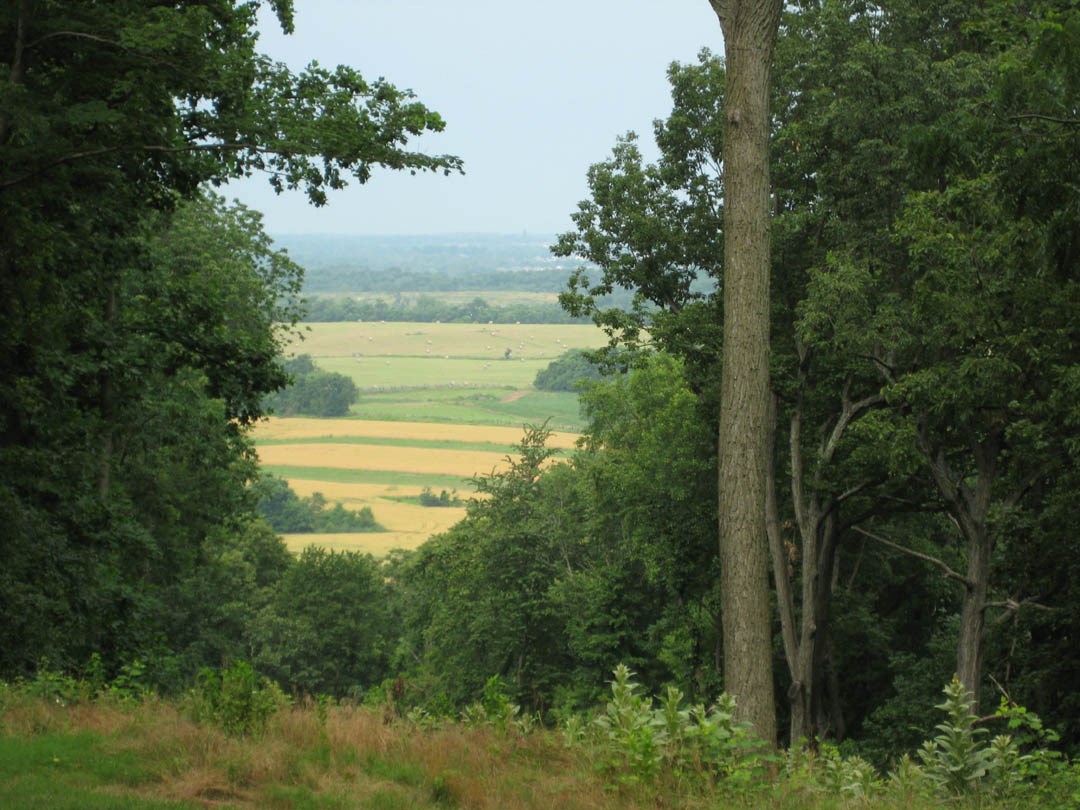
<point>749,28</point>
<point>969,505</point>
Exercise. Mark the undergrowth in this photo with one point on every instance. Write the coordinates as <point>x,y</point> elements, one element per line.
<point>236,742</point>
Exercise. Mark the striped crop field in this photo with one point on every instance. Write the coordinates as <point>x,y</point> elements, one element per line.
<point>385,465</point>
<point>299,429</point>
<point>439,404</point>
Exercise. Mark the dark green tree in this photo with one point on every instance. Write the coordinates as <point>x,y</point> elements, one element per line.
<point>567,373</point>
<point>312,392</point>
<point>327,629</point>
<point>135,341</point>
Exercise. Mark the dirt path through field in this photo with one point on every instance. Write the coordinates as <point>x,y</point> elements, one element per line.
<point>514,397</point>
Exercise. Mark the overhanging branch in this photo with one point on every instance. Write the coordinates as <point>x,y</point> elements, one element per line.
<point>949,572</point>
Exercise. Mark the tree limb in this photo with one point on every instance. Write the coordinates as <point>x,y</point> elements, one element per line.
<point>949,572</point>
<point>1072,122</point>
<point>1012,607</point>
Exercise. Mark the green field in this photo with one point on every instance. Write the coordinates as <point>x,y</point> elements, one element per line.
<point>439,404</point>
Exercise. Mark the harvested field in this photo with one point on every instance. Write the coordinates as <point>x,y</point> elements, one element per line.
<point>377,457</point>
<point>298,428</point>
<point>488,341</point>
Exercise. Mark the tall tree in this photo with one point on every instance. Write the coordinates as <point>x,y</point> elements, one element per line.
<point>112,114</point>
<point>749,28</point>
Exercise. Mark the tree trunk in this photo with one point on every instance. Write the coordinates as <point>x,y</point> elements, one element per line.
<point>749,30</point>
<point>968,500</point>
<point>969,646</point>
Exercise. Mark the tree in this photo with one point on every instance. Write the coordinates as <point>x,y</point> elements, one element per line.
<point>750,29</point>
<point>128,318</point>
<point>567,372</point>
<point>327,629</point>
<point>939,293</point>
<point>312,391</point>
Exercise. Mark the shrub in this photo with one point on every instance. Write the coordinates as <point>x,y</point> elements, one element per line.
<point>236,698</point>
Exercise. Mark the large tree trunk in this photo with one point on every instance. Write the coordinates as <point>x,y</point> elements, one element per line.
<point>749,29</point>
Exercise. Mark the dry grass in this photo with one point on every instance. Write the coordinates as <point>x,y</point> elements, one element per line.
<point>535,341</point>
<point>353,758</point>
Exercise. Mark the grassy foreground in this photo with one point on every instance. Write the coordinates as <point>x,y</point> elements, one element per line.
<point>150,755</point>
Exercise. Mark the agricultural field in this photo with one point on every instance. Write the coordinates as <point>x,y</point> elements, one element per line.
<point>439,404</point>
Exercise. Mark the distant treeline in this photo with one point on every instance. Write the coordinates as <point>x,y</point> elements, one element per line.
<point>427,309</point>
<point>447,254</point>
<point>287,512</point>
<point>350,278</point>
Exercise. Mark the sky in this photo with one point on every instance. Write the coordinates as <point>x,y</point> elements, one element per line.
<point>532,95</point>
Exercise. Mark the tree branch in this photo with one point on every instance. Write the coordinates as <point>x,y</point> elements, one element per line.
<point>1012,607</point>
<point>76,34</point>
<point>949,572</point>
<point>1072,122</point>
<point>108,150</point>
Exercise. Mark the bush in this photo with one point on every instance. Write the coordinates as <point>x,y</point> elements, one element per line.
<point>444,498</point>
<point>637,742</point>
<point>236,698</point>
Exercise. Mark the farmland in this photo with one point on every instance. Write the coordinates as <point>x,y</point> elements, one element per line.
<point>439,404</point>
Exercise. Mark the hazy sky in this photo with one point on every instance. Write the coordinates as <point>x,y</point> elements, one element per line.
<point>532,94</point>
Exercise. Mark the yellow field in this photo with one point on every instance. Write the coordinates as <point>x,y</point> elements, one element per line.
<point>411,354</point>
<point>410,524</point>
<point>447,340</point>
<point>463,463</point>
<point>299,428</point>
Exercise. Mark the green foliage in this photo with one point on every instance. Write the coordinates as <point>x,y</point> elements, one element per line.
<point>956,759</point>
<point>637,742</point>
<point>444,498</point>
<point>235,698</point>
<point>141,317</point>
<point>567,373</point>
<point>287,512</point>
<point>632,730</point>
<point>495,709</point>
<point>328,627</point>
<point>312,392</point>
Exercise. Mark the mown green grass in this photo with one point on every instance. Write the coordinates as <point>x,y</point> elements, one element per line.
<point>381,441</point>
<point>390,478</point>
<point>559,409</point>
<point>426,444</point>
<point>80,771</point>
